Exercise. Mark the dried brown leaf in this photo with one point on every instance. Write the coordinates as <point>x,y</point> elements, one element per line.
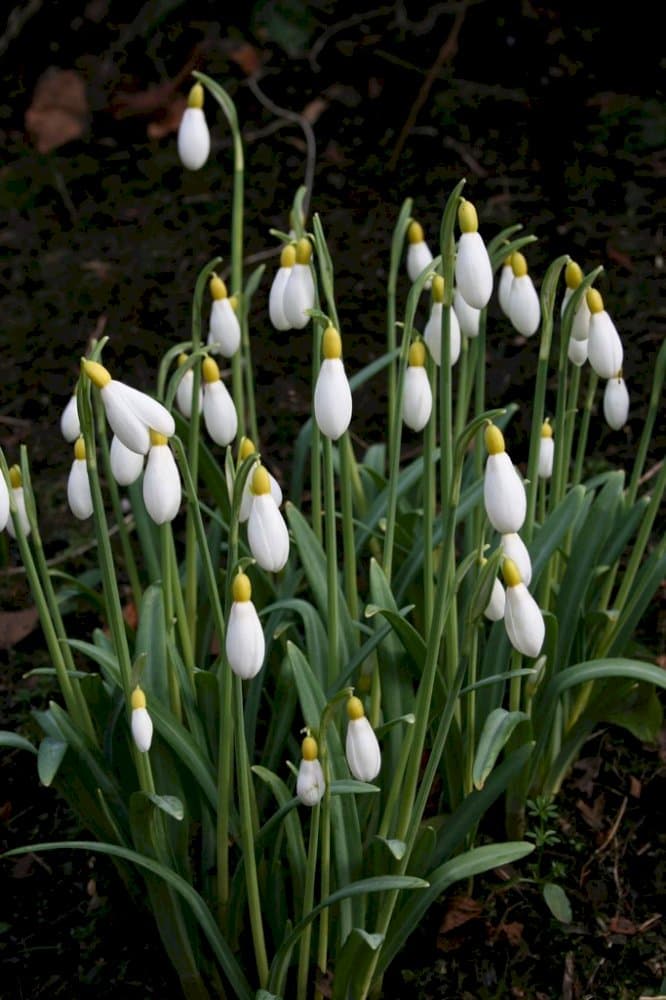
<point>459,911</point>
<point>247,57</point>
<point>59,109</point>
<point>16,625</point>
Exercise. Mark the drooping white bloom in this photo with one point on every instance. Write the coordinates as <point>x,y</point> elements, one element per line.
<point>79,496</point>
<point>332,395</point>
<point>162,491</point>
<point>546,452</point>
<point>299,292</point>
<point>310,783</point>
<point>418,252</point>
<point>70,427</point>
<point>432,334</point>
<point>126,465</point>
<point>245,449</point>
<point>417,394</point>
<point>524,306</point>
<point>616,402</point>
<point>131,414</point>
<point>468,317</point>
<point>362,747</point>
<point>495,607</point>
<point>4,503</point>
<point>524,622</point>
<point>193,134</point>
<point>18,499</point>
<point>474,273</point>
<point>141,723</point>
<point>514,548</point>
<point>267,532</point>
<point>244,641</point>
<point>577,351</point>
<point>224,331</point>
<point>276,296</point>
<point>504,286</point>
<point>503,490</point>
<point>604,347</point>
<point>219,412</point>
<point>581,319</point>
<point>185,390</point>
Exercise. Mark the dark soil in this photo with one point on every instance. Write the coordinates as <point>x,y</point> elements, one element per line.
<point>556,118</point>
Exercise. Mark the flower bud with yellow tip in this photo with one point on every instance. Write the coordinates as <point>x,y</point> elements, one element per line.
<point>503,489</point>
<point>332,395</point>
<point>546,452</point>
<point>432,334</point>
<point>245,449</point>
<point>418,252</point>
<point>70,426</point>
<point>18,500</point>
<point>193,134</point>
<point>523,620</point>
<point>162,492</point>
<point>130,413</point>
<point>310,783</point>
<point>299,292</point>
<point>224,332</point>
<point>267,532</point>
<point>244,640</point>
<point>524,305</point>
<point>219,412</point>
<point>362,747</point>
<point>278,287</point>
<point>417,394</point>
<point>79,496</point>
<point>474,273</point>
<point>604,347</point>
<point>141,723</point>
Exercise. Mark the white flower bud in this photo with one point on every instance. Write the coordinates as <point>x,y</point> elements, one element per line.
<point>332,399</point>
<point>193,134</point>
<point>185,394</point>
<point>126,465</point>
<point>219,412</point>
<point>432,335</point>
<point>130,413</point>
<point>604,347</point>
<point>69,421</point>
<point>495,608</point>
<point>79,496</point>
<point>514,548</point>
<point>18,497</point>
<point>161,483</point>
<point>278,287</point>
<point>474,273</point>
<point>503,490</point>
<point>267,532</point>
<point>362,747</point>
<point>417,394</point>
<point>299,292</point>
<point>310,784</point>
<point>546,453</point>
<point>524,306</point>
<point>616,403</point>
<point>418,258</point>
<point>523,620</point>
<point>468,317</point>
<point>244,641</point>
<point>141,723</point>
<point>577,352</point>
<point>504,287</point>
<point>224,330</point>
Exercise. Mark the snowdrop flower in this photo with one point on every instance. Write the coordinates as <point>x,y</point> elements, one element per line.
<point>524,306</point>
<point>185,390</point>
<point>141,723</point>
<point>245,449</point>
<point>616,402</point>
<point>577,351</point>
<point>495,607</point>
<point>474,273</point>
<point>310,784</point>
<point>126,465</point>
<point>16,487</point>
<point>332,395</point>
<point>514,548</point>
<point>504,286</point>
<point>224,331</point>
<point>418,252</point>
<point>523,620</point>
<point>219,412</point>
<point>362,747</point>
<point>276,296</point>
<point>546,451</point>
<point>162,491</point>
<point>432,334</point>
<point>267,533</point>
<point>503,490</point>
<point>417,394</point>
<point>4,503</point>
<point>193,134</point>
<point>604,347</point>
<point>70,427</point>
<point>244,642</point>
<point>581,320</point>
<point>467,316</point>
<point>79,496</point>
<point>131,414</point>
<point>299,292</point>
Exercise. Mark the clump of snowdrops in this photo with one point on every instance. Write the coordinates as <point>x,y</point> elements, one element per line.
<point>258,754</point>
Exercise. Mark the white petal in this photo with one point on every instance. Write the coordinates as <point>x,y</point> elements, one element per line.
<point>604,347</point>
<point>362,750</point>
<point>162,491</point>
<point>126,465</point>
<point>224,329</point>
<point>432,334</point>
<point>418,258</point>
<point>417,398</point>
<point>248,496</point>
<point>219,413</point>
<point>332,399</point>
<point>267,534</point>
<point>244,641</point>
<point>524,622</point>
<point>504,288</point>
<point>310,784</point>
<point>193,139</point>
<point>514,548</point>
<point>78,490</point>
<point>577,351</point>
<point>142,729</point>
<point>132,413</point>
<point>184,394</point>
<point>504,494</point>
<point>468,317</point>
<point>580,328</point>
<point>474,273</point>
<point>69,421</point>
<point>276,299</point>
<point>22,514</point>
<point>4,502</point>
<point>568,292</point>
<point>298,296</point>
<point>524,306</point>
<point>495,609</point>
<point>546,452</point>
<point>616,403</point>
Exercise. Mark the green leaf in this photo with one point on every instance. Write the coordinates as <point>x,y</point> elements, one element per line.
<point>496,731</point>
<point>169,804</point>
<point>353,961</point>
<point>151,644</point>
<point>51,753</point>
<point>639,712</point>
<point>557,902</point>
<point>16,742</point>
<point>396,848</point>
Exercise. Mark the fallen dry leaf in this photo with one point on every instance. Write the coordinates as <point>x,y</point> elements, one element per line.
<point>459,911</point>
<point>168,122</point>
<point>513,932</point>
<point>620,925</point>
<point>594,814</point>
<point>16,625</point>
<point>59,110</point>
<point>314,110</point>
<point>635,787</point>
<point>247,57</point>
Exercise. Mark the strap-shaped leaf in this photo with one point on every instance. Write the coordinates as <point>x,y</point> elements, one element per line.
<point>494,736</point>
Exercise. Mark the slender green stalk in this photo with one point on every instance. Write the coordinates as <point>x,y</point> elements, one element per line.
<point>581,446</point>
<point>648,426</point>
<point>308,903</point>
<point>179,603</point>
<point>429,502</point>
<point>397,246</point>
<point>324,872</point>
<point>331,562</point>
<point>167,599</point>
<point>464,388</point>
<point>470,706</point>
<point>347,474</point>
<point>121,523</point>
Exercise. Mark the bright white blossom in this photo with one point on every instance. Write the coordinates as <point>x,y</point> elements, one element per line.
<point>504,286</point>
<point>577,351</point>
<point>514,548</point>
<point>219,412</point>
<point>474,273</point>
<point>495,607</point>
<point>267,532</point>
<point>141,723</point>
<point>276,295</point>
<point>418,252</point>
<point>79,496</point>
<point>131,414</point>
<point>417,394</point>
<point>18,499</point>
<point>523,620</point>
<point>616,402</point>
<point>162,491</point>
<point>224,331</point>
<point>245,449</point>
<point>244,641</point>
<point>185,390</point>
<point>573,277</point>
<point>546,453</point>
<point>524,306</point>
<point>432,334</point>
<point>468,317</point>
<point>604,347</point>
<point>332,395</point>
<point>126,465</point>
<point>70,427</point>
<point>4,503</point>
<point>503,489</point>
<point>310,784</point>
<point>362,747</point>
<point>299,292</point>
<point>193,134</point>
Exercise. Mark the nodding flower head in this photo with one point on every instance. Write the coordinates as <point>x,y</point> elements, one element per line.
<point>362,747</point>
<point>141,723</point>
<point>503,490</point>
<point>267,532</point>
<point>244,641</point>
<point>418,252</point>
<point>219,412</point>
<point>299,292</point>
<point>193,134</point>
<point>79,496</point>
<point>546,451</point>
<point>332,395</point>
<point>131,414</point>
<point>604,347</point>
<point>523,620</point>
<point>524,305</point>
<point>224,331</point>
<point>310,784</point>
<point>162,491</point>
<point>417,395</point>
<point>474,273</point>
